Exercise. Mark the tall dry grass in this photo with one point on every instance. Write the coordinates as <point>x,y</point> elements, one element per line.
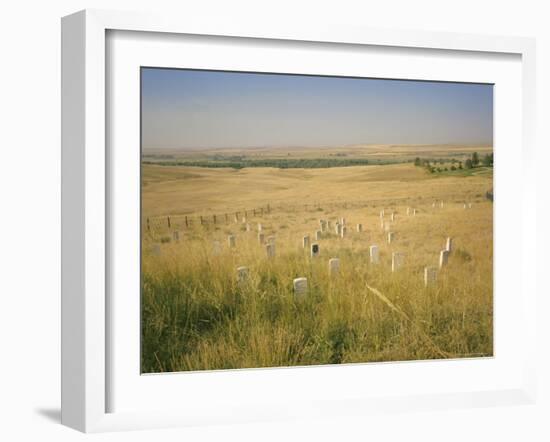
<point>197,316</point>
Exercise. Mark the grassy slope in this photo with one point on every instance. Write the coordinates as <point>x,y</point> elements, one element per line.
<point>190,190</point>
<point>196,315</point>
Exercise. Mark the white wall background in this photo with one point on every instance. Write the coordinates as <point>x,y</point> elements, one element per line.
<point>30,215</point>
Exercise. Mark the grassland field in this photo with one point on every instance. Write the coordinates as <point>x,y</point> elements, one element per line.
<point>196,315</point>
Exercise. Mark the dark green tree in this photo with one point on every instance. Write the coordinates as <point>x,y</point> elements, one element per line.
<point>487,160</point>
<point>468,164</point>
<point>475,159</point>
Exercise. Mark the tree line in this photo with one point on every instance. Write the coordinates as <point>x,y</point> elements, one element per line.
<point>283,163</point>
<point>469,163</point>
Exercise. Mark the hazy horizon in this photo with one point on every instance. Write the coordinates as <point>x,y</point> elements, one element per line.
<point>202,110</point>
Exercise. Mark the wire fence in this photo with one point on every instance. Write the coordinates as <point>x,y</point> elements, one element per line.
<point>183,221</point>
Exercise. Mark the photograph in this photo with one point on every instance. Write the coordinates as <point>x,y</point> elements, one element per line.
<point>295,220</point>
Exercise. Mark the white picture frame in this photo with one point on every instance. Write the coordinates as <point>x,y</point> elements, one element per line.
<point>86,352</point>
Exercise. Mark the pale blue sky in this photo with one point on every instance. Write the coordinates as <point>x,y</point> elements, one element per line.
<point>211,109</point>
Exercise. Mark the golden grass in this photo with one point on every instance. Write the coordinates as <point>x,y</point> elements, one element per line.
<point>196,315</point>
<point>193,190</point>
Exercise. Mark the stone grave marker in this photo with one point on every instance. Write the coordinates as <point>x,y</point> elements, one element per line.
<point>430,276</point>
<point>443,258</point>
<point>300,286</point>
<point>242,274</point>
<point>333,266</point>
<point>315,250</point>
<point>374,254</point>
<point>397,259</point>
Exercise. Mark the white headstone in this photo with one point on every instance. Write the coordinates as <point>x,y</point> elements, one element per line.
<point>443,258</point>
<point>343,231</point>
<point>382,224</point>
<point>343,221</point>
<point>244,219</point>
<point>305,242</point>
<point>247,227</point>
<point>270,250</point>
<point>381,214</point>
<point>469,205</point>
<point>397,259</point>
<point>333,266</point>
<point>408,211</point>
<point>338,229</point>
<point>414,212</point>
<point>260,228</point>
<point>236,219</point>
<point>392,216</point>
<point>390,237</point>
<point>315,250</point>
<point>441,204</point>
<point>300,286</point>
<point>430,275</point>
<point>374,255</point>
<point>242,274</point>
<point>176,235</point>
<point>465,205</point>
<point>231,240</point>
<point>387,226</point>
<point>318,234</point>
<point>449,245</point>
<point>433,204</point>
<point>261,238</point>
<point>359,228</point>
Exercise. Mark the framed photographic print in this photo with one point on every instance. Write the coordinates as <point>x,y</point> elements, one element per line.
<point>251,214</point>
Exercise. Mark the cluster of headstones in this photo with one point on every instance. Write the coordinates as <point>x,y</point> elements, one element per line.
<point>430,273</point>
<point>300,284</point>
<point>386,225</point>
